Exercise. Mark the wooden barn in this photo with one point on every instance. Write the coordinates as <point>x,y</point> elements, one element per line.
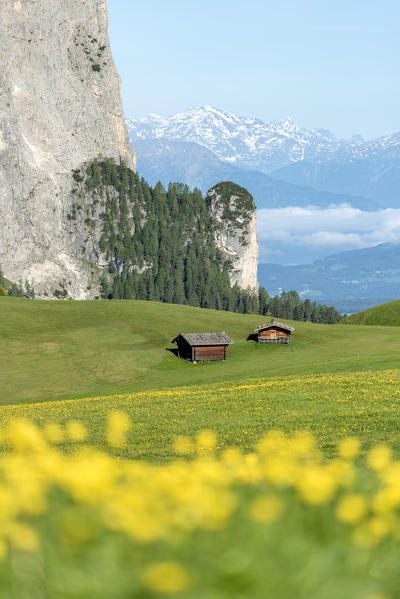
<point>274,332</point>
<point>202,346</point>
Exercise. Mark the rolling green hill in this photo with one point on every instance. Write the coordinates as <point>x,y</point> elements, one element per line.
<point>387,314</point>
<point>60,350</point>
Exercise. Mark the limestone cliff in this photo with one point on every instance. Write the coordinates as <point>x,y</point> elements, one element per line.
<point>233,213</point>
<point>60,107</point>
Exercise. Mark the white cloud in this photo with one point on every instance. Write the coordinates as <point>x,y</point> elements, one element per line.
<point>337,227</point>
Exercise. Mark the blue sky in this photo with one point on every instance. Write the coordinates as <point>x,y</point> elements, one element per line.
<point>329,64</point>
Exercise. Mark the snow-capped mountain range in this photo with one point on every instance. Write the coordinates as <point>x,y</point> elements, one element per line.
<point>253,143</point>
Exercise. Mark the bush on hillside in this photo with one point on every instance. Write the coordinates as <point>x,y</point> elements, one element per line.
<point>18,290</point>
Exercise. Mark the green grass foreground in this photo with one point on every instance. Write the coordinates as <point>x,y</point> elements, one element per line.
<point>59,350</point>
<point>278,522</point>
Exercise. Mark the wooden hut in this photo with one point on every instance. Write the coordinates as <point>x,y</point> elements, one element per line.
<point>202,346</point>
<point>274,332</point>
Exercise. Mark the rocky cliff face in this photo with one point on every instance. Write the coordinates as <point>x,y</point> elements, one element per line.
<point>233,213</point>
<point>60,107</point>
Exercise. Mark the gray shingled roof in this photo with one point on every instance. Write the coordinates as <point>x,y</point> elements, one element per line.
<point>271,325</point>
<point>205,338</point>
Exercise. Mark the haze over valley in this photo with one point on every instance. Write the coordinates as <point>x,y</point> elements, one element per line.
<point>316,195</point>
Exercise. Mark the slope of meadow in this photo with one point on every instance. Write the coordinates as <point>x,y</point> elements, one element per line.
<point>162,478</point>
<point>387,314</point>
<point>59,350</point>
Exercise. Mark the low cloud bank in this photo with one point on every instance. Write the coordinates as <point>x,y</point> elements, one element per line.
<point>312,232</point>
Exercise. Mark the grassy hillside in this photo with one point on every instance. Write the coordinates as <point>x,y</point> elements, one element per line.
<point>383,315</point>
<point>234,523</point>
<point>58,350</point>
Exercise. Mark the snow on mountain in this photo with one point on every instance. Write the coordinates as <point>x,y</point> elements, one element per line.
<point>240,140</point>
<point>253,143</point>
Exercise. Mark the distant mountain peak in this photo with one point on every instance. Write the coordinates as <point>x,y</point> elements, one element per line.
<point>256,144</point>
<point>239,140</point>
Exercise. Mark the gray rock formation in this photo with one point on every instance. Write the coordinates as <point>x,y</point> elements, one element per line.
<point>233,213</point>
<point>60,107</point>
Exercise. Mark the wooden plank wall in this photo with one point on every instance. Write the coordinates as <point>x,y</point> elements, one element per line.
<point>274,333</point>
<point>211,352</point>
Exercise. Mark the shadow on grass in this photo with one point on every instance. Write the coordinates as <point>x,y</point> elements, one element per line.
<point>252,337</point>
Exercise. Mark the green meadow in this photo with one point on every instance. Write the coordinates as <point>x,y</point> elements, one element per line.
<point>52,350</point>
<point>197,513</point>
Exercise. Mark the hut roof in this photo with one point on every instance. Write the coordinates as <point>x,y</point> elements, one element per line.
<point>195,339</point>
<point>271,325</point>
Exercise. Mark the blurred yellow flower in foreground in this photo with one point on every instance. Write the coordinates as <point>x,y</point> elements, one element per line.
<point>118,425</point>
<point>351,508</point>
<point>166,577</point>
<point>206,441</point>
<point>316,485</point>
<point>54,432</point>
<point>183,445</point>
<point>266,508</point>
<point>86,495</point>
<point>23,536</point>
<point>379,457</point>
<point>349,448</point>
<point>76,431</point>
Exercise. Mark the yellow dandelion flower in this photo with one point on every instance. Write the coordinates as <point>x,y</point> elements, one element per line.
<point>351,508</point>
<point>3,549</point>
<point>23,536</point>
<point>302,444</point>
<point>76,431</point>
<point>25,436</point>
<point>266,508</point>
<point>54,432</point>
<point>386,500</point>
<point>379,526</point>
<point>379,457</point>
<point>349,448</point>
<point>272,441</point>
<point>206,441</point>
<point>166,577</point>
<point>316,485</point>
<point>118,425</point>
<point>183,445</point>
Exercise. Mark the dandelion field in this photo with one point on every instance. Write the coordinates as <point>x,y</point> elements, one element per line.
<point>330,406</point>
<point>126,473</point>
<point>278,521</point>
